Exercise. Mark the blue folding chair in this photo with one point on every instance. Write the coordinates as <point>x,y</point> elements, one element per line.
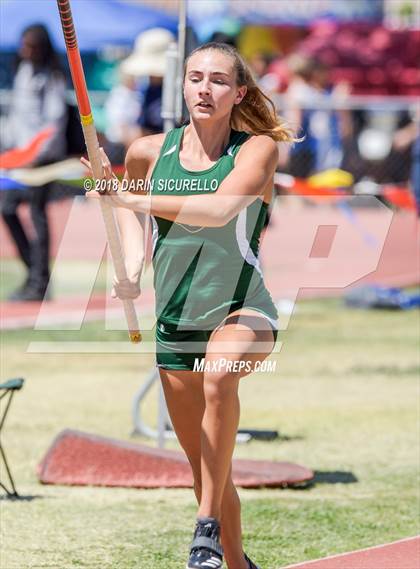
<point>7,390</point>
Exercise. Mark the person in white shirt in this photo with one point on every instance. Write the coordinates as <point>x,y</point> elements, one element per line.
<point>38,101</point>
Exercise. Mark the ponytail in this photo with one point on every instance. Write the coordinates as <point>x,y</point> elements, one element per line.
<point>256,113</point>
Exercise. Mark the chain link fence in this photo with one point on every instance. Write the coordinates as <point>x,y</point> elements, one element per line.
<point>373,138</point>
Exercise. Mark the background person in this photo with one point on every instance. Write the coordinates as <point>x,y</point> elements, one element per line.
<point>38,101</point>
<point>309,96</point>
<point>122,109</point>
<point>148,60</point>
<point>408,137</point>
<point>267,81</point>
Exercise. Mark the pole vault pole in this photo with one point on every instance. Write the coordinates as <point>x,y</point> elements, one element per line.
<point>92,145</point>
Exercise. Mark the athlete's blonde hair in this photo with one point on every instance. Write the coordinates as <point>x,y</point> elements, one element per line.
<point>256,112</point>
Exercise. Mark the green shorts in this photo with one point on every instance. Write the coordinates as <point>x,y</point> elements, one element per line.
<point>179,349</point>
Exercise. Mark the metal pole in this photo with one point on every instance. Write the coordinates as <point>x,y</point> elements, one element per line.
<point>168,112</point>
<point>182,27</point>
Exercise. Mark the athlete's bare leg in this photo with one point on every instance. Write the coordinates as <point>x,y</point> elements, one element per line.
<point>185,399</point>
<point>221,415</point>
<point>194,409</point>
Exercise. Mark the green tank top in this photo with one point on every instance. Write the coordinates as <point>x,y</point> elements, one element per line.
<point>203,274</point>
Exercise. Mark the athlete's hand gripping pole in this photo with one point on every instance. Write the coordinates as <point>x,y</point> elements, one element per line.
<point>92,146</point>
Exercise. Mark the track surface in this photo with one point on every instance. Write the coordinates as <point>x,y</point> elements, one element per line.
<point>308,252</point>
<point>403,554</point>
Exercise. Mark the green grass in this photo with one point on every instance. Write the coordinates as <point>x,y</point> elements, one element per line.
<point>346,392</point>
<point>73,277</point>
<point>71,280</point>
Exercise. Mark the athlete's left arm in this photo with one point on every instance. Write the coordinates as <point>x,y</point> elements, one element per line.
<point>254,168</point>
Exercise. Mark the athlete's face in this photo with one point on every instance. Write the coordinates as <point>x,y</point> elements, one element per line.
<point>210,87</point>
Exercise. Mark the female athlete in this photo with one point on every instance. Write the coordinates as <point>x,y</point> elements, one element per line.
<point>207,187</point>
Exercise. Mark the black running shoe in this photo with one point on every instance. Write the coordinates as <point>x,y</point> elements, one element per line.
<point>206,551</point>
<point>250,563</point>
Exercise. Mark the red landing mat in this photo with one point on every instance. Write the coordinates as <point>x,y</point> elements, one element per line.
<point>403,554</point>
<point>78,458</point>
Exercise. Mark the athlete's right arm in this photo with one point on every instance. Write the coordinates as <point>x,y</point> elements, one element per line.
<point>133,225</point>
<point>132,228</point>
